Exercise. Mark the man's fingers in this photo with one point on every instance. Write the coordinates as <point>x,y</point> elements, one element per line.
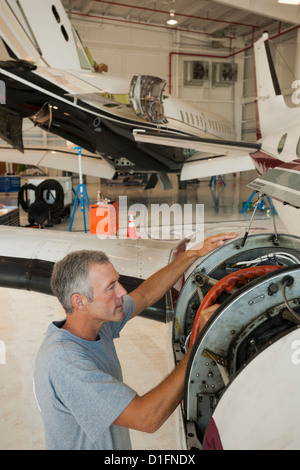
<point>207,313</point>
<point>217,240</point>
<point>223,236</point>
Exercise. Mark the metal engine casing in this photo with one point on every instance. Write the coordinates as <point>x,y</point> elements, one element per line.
<point>247,322</point>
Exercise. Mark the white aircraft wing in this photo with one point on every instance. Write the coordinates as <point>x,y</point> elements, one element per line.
<point>281,183</point>
<point>58,158</point>
<point>204,165</point>
<point>211,157</point>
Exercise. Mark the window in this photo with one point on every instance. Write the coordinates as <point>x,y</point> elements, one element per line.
<point>55,13</point>
<point>298,149</point>
<point>281,143</point>
<point>65,34</point>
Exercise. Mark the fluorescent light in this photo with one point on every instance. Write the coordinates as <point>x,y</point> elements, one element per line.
<point>172,20</point>
<point>290,2</point>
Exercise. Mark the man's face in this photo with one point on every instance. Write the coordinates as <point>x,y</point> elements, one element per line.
<point>107,304</point>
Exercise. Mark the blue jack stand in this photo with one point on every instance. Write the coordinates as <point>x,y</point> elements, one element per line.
<point>213,180</point>
<point>81,189</point>
<point>261,205</point>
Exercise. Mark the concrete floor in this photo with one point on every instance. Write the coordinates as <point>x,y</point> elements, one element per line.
<point>144,347</point>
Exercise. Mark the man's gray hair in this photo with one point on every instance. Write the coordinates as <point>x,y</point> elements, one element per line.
<point>71,276</point>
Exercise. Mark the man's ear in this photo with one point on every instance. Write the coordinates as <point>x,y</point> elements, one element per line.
<point>78,301</point>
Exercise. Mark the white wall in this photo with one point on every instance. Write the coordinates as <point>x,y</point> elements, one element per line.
<point>127,50</point>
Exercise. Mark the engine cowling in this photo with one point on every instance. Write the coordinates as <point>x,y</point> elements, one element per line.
<point>257,287</point>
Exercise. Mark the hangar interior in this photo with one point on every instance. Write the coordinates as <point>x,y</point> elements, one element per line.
<point>133,38</point>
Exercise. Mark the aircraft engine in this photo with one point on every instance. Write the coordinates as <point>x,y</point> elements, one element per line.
<point>146,98</point>
<point>242,380</point>
<point>43,116</point>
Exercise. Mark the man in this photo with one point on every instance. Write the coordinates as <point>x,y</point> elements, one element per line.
<point>78,381</point>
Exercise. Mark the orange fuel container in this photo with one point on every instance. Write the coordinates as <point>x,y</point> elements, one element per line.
<point>104,218</point>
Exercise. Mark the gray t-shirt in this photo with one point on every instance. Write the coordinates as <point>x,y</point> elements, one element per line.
<point>79,388</point>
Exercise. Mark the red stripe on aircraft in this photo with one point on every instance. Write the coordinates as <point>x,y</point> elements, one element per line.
<point>212,439</point>
<point>264,162</point>
<point>293,165</point>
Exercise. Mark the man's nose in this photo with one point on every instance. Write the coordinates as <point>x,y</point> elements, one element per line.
<point>121,290</point>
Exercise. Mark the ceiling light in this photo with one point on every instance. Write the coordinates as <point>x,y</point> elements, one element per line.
<point>290,2</point>
<point>172,20</point>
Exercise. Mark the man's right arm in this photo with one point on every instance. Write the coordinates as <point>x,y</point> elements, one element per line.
<point>148,412</point>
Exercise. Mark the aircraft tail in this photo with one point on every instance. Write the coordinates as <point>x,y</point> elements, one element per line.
<point>271,109</point>
<point>41,32</point>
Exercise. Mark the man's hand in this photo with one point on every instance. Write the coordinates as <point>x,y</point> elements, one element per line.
<point>206,314</point>
<point>213,242</point>
<point>151,290</point>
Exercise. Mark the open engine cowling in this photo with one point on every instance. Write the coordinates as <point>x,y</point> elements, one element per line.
<point>250,337</point>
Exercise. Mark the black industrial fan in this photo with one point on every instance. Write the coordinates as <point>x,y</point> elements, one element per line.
<point>41,210</point>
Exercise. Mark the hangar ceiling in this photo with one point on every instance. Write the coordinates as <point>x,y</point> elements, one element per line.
<point>218,19</point>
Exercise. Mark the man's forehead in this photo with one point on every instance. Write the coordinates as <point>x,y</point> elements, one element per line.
<point>105,272</point>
